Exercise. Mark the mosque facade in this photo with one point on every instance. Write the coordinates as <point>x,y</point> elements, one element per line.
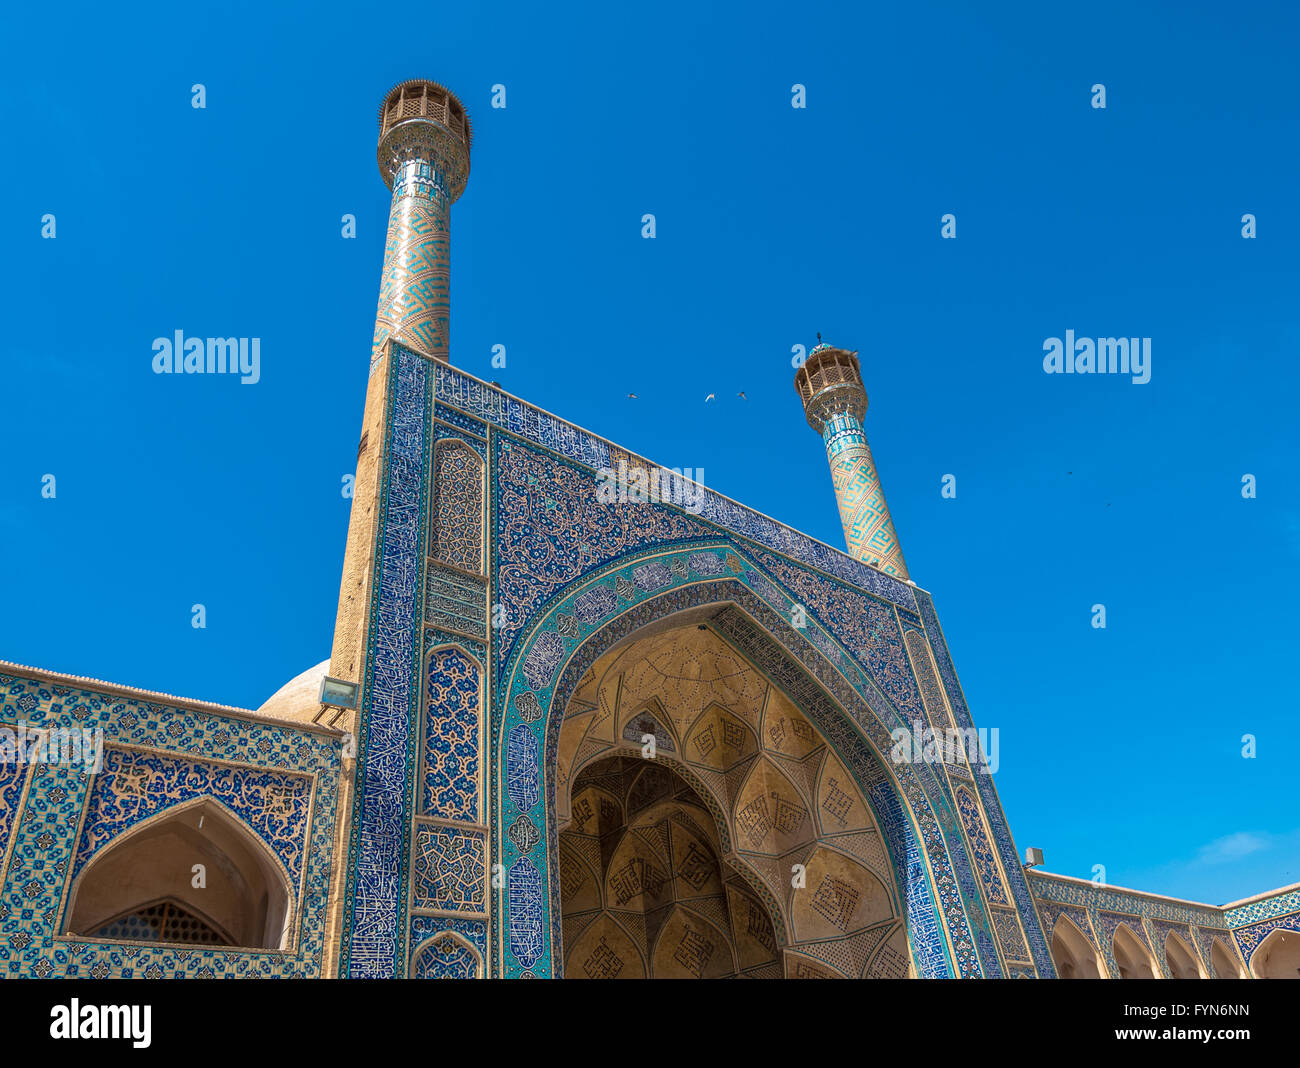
<point>564,734</point>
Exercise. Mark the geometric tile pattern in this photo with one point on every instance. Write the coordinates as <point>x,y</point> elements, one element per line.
<point>865,624</point>
<point>1263,909</point>
<point>558,529</point>
<point>415,286</point>
<point>986,862</point>
<point>449,867</point>
<point>13,776</point>
<point>931,691</point>
<point>868,528</point>
<point>1010,938</point>
<point>453,707</point>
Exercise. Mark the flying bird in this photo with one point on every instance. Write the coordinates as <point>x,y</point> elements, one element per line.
<point>741,395</point>
<point>709,398</point>
<point>631,396</point>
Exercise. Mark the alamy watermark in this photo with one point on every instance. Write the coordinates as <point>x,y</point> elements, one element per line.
<point>75,1020</point>
<point>659,485</point>
<point>53,745</point>
<point>978,746</point>
<point>183,355</point>
<point>1099,356</point>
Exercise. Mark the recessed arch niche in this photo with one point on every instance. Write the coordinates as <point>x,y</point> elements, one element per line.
<point>1179,958</point>
<point>1131,957</point>
<point>1072,953</point>
<point>744,795</point>
<point>141,886</point>
<point>1223,961</point>
<point>1278,956</point>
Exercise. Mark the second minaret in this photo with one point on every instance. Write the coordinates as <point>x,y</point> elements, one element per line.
<point>835,403</point>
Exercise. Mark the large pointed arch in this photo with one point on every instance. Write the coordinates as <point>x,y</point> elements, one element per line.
<point>667,588</point>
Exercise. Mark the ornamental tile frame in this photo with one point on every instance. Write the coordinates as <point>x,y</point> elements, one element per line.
<point>527,762</point>
<point>62,818</point>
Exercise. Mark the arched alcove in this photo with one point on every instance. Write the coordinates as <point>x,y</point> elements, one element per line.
<point>1072,953</point>
<point>141,886</point>
<point>643,892</point>
<point>1224,961</point>
<point>446,956</point>
<point>1180,959</point>
<point>738,757</point>
<point>1278,956</point>
<point>1131,956</point>
<point>833,751</point>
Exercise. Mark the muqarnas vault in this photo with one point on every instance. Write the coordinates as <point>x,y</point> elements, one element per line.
<point>593,738</point>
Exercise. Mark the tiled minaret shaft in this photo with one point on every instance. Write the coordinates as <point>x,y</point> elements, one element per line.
<point>424,139</point>
<point>835,402</point>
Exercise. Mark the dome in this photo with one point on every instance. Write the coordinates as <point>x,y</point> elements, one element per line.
<point>299,698</point>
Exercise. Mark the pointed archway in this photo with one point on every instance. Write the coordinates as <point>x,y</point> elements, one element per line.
<point>643,891</point>
<point>683,715</point>
<point>1131,956</point>
<point>1180,959</point>
<point>1073,953</point>
<point>1223,960</point>
<point>1277,956</point>
<point>191,874</point>
<point>553,656</point>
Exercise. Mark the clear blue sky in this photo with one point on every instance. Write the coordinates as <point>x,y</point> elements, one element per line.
<point>1118,747</point>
